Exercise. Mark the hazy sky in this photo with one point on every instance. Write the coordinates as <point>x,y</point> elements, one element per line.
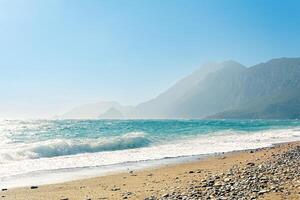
<point>57,54</point>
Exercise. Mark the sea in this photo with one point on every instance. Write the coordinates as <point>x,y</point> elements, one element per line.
<point>35,152</point>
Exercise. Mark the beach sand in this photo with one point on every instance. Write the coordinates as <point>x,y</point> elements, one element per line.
<point>162,181</point>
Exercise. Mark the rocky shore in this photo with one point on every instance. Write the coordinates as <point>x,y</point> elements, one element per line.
<point>281,174</point>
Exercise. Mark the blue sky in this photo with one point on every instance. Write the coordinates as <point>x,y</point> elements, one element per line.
<point>56,54</point>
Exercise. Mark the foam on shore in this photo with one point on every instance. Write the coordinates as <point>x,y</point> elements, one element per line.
<point>46,170</point>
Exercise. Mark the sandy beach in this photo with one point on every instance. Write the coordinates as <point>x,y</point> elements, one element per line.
<point>149,100</point>
<point>192,180</point>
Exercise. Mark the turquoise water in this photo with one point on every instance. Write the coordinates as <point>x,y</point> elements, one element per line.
<point>27,147</point>
<point>155,131</point>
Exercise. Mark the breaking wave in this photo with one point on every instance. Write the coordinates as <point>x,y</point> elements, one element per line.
<point>54,151</point>
<point>64,147</point>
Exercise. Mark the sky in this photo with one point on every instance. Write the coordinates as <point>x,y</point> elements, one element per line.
<point>56,54</point>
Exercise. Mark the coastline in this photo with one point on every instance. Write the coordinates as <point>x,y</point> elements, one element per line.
<point>161,181</point>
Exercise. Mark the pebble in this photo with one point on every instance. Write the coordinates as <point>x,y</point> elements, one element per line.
<point>115,189</point>
<point>244,182</point>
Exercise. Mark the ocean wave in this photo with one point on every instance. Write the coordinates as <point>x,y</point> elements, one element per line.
<point>132,148</point>
<point>65,147</point>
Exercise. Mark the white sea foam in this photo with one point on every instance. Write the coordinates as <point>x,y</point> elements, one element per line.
<point>83,163</point>
<point>63,147</point>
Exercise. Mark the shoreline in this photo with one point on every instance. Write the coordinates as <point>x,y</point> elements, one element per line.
<point>56,161</point>
<point>89,172</point>
<point>154,182</point>
<point>64,175</point>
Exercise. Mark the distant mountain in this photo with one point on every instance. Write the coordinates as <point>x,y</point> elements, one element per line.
<point>219,90</point>
<point>269,90</point>
<point>196,96</point>
<point>231,90</point>
<point>112,113</point>
<point>95,110</point>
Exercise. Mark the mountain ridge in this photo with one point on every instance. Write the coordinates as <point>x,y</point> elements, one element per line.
<point>226,90</point>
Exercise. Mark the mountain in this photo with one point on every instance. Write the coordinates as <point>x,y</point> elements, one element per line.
<point>269,90</point>
<point>95,110</point>
<point>112,113</point>
<point>231,90</point>
<point>195,96</point>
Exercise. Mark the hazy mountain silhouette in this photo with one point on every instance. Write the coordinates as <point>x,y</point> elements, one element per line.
<point>224,90</point>
<point>112,113</point>
<point>268,90</point>
<point>190,97</point>
<point>94,110</point>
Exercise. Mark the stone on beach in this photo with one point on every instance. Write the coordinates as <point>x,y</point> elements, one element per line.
<point>246,182</point>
